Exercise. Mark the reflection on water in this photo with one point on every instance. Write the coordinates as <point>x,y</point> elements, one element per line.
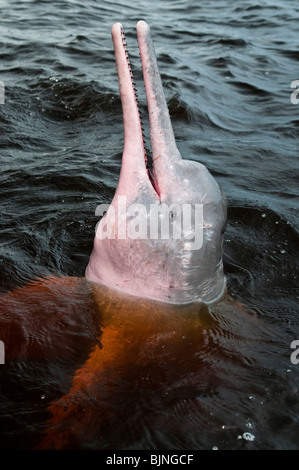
<point>75,375</point>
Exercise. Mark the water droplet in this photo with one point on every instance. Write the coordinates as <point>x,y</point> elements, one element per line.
<point>249,425</point>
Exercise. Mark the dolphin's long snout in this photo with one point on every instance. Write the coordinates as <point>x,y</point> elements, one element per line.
<point>134,155</point>
<point>163,145</point>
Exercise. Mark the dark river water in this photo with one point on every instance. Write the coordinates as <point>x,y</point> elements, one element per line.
<point>227,69</point>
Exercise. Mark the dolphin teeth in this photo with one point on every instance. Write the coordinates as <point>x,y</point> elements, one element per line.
<point>124,42</point>
<point>147,153</point>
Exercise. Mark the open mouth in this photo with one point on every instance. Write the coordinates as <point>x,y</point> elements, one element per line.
<point>147,157</point>
<point>129,96</point>
<point>163,144</point>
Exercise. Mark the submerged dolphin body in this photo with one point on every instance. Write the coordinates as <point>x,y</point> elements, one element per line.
<point>169,269</point>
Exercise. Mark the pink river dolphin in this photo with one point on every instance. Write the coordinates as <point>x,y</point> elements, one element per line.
<point>165,266</point>
<point>154,273</point>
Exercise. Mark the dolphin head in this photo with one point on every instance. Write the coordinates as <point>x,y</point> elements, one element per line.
<point>161,236</point>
